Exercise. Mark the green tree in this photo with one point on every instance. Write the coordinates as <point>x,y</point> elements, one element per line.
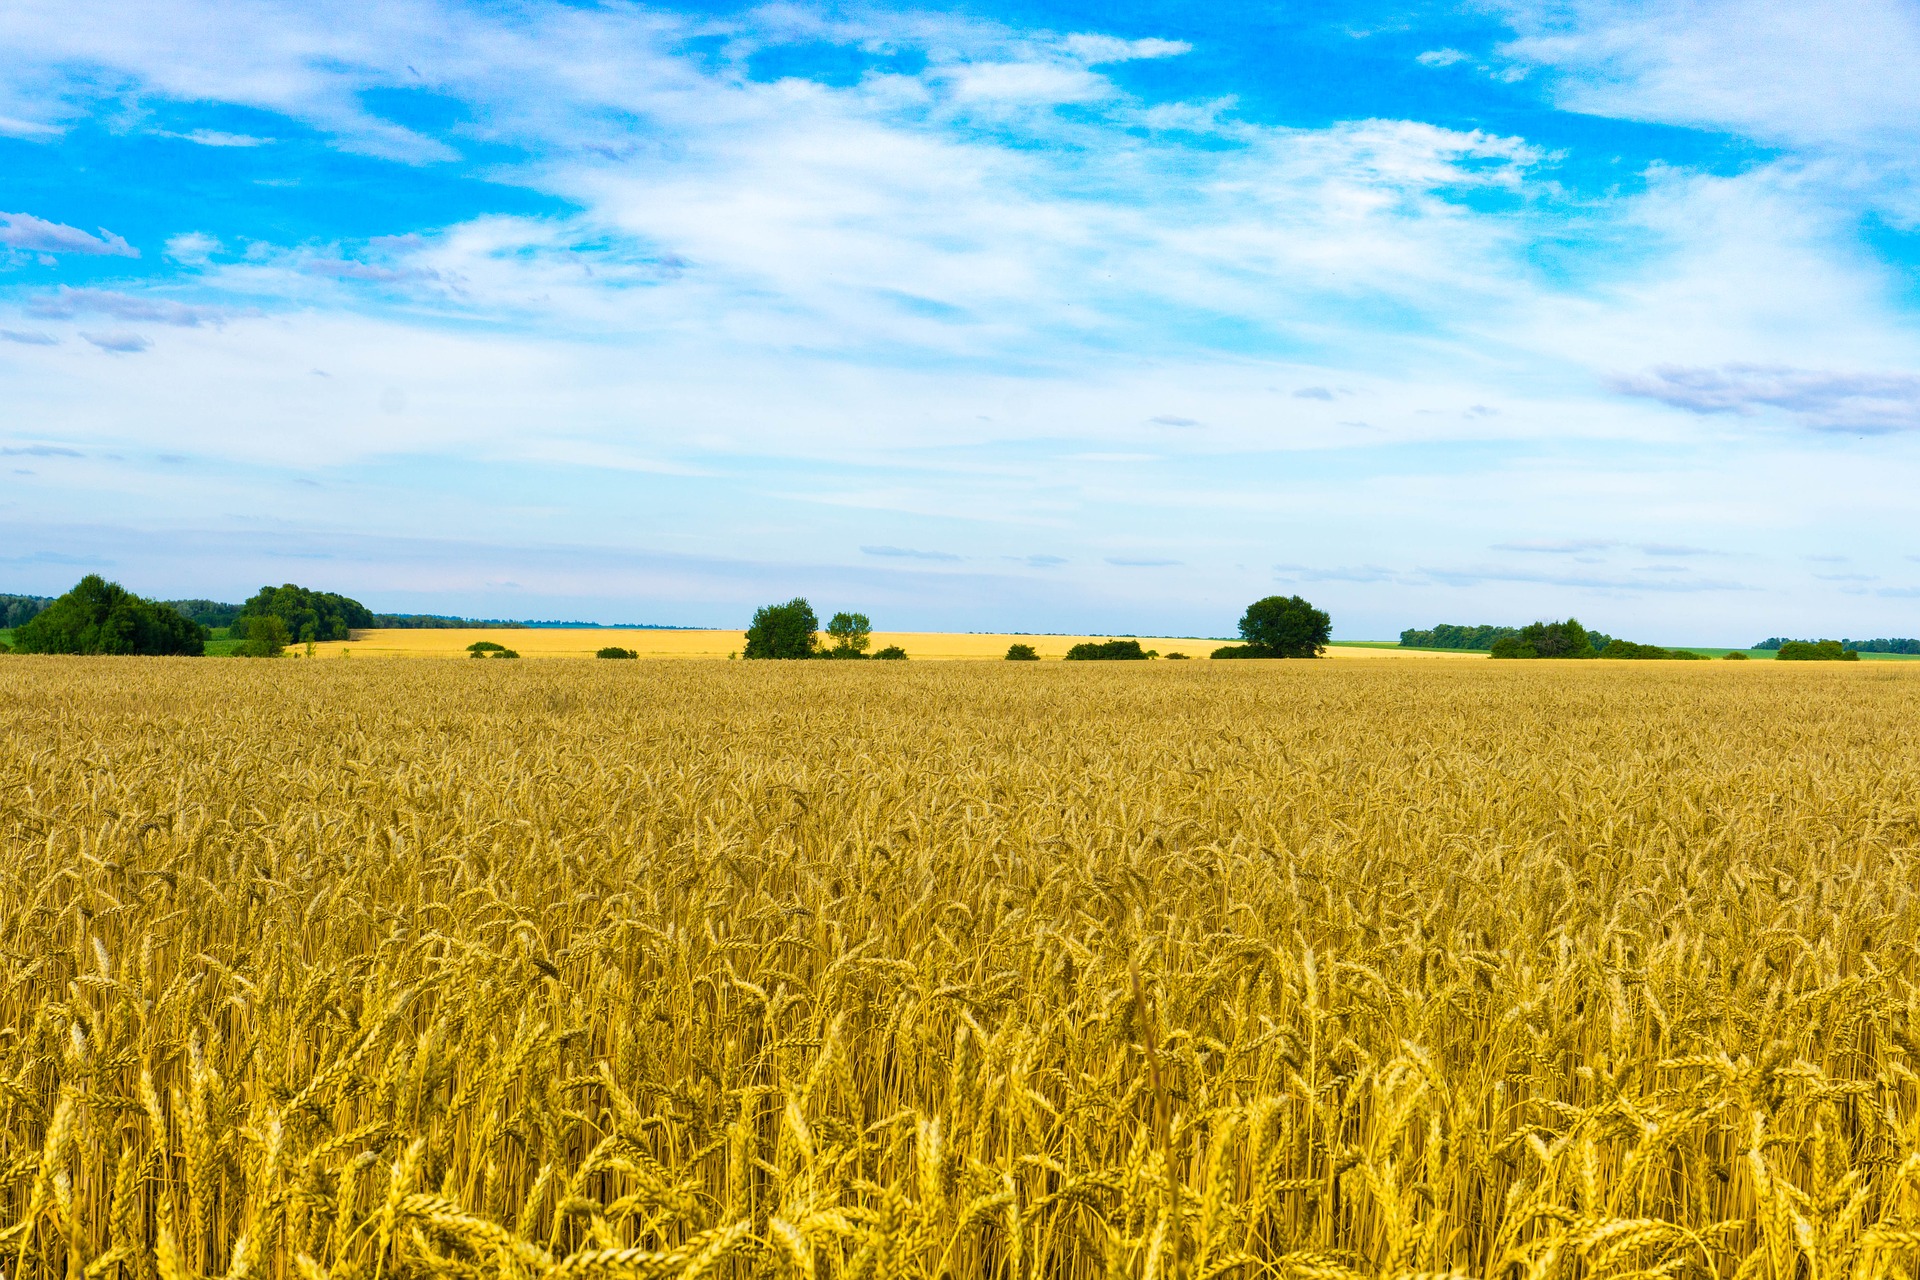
<point>783,631</point>
<point>1281,627</point>
<point>851,633</point>
<point>1558,639</point>
<point>98,616</point>
<point>1815,651</point>
<point>308,614</point>
<point>1513,647</point>
<point>615,651</point>
<point>264,636</point>
<point>1022,653</point>
<point>892,653</point>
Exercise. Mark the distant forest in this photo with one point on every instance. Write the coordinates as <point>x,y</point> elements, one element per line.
<point>1451,636</point>
<point>1908,645</point>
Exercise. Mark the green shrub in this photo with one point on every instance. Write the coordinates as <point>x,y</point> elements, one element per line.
<point>1022,653</point>
<point>261,636</point>
<point>1107,651</point>
<point>892,653</point>
<point>1734,656</point>
<point>614,651</point>
<point>1177,657</point>
<point>1815,651</point>
<point>479,647</point>
<point>506,653</point>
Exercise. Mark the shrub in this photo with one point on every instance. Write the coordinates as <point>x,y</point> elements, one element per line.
<point>1176,657</point>
<point>1628,649</point>
<point>783,631</point>
<point>614,651</point>
<point>1734,655</point>
<point>1022,653</point>
<point>1815,651</point>
<point>892,653</point>
<point>98,616</point>
<point>479,647</point>
<point>1107,651</point>
<point>506,653</point>
<point>261,636</point>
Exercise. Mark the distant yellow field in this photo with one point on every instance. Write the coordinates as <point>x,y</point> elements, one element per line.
<point>559,642</point>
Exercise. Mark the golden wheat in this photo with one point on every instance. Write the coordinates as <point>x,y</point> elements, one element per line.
<point>819,970</point>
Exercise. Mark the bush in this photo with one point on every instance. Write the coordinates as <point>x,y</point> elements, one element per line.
<point>98,616</point>
<point>1284,627</point>
<point>261,636</point>
<point>1815,651</point>
<point>892,653</point>
<point>480,647</point>
<point>783,631</point>
<point>1734,655</point>
<point>1107,651</point>
<point>614,651</point>
<point>1022,653</point>
<point>505,653</point>
<point>1177,657</point>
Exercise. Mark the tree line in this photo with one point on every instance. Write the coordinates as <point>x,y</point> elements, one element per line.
<point>1897,645</point>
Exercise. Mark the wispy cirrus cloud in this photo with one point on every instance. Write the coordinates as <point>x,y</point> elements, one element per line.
<point>908,553</point>
<point>1819,399</point>
<point>68,303</point>
<point>23,231</point>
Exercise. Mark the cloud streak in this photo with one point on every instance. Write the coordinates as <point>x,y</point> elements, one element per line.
<point>1820,400</point>
<point>24,232</point>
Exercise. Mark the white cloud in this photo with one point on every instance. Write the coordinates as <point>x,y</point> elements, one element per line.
<point>119,342</point>
<point>194,248</point>
<point>1441,57</point>
<point>25,232</point>
<point>1823,400</point>
<point>1093,49</point>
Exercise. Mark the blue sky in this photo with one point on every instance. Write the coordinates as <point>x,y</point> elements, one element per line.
<point>1034,316</point>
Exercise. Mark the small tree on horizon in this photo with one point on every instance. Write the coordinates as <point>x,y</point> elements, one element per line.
<point>1281,627</point>
<point>783,631</point>
<point>851,633</point>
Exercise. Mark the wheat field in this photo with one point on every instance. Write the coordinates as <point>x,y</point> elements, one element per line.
<point>1319,970</point>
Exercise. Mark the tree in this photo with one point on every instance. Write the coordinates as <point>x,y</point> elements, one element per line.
<point>614,651</point>
<point>98,616</point>
<point>1281,627</point>
<point>1558,639</point>
<point>1815,651</point>
<point>851,633</point>
<point>1022,653</point>
<point>783,631</point>
<point>262,636</point>
<point>1107,651</point>
<point>1513,647</point>
<point>308,614</point>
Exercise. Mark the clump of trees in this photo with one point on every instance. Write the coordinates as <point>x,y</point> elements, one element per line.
<point>1894,645</point>
<point>1281,627</point>
<point>488,649</point>
<point>790,631</point>
<point>1571,640</point>
<point>17,611</point>
<point>615,651</point>
<point>211,614</point>
<point>1816,651</point>
<point>1109,651</point>
<point>1022,653</point>
<point>308,614</point>
<point>1448,635</point>
<point>101,617</point>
